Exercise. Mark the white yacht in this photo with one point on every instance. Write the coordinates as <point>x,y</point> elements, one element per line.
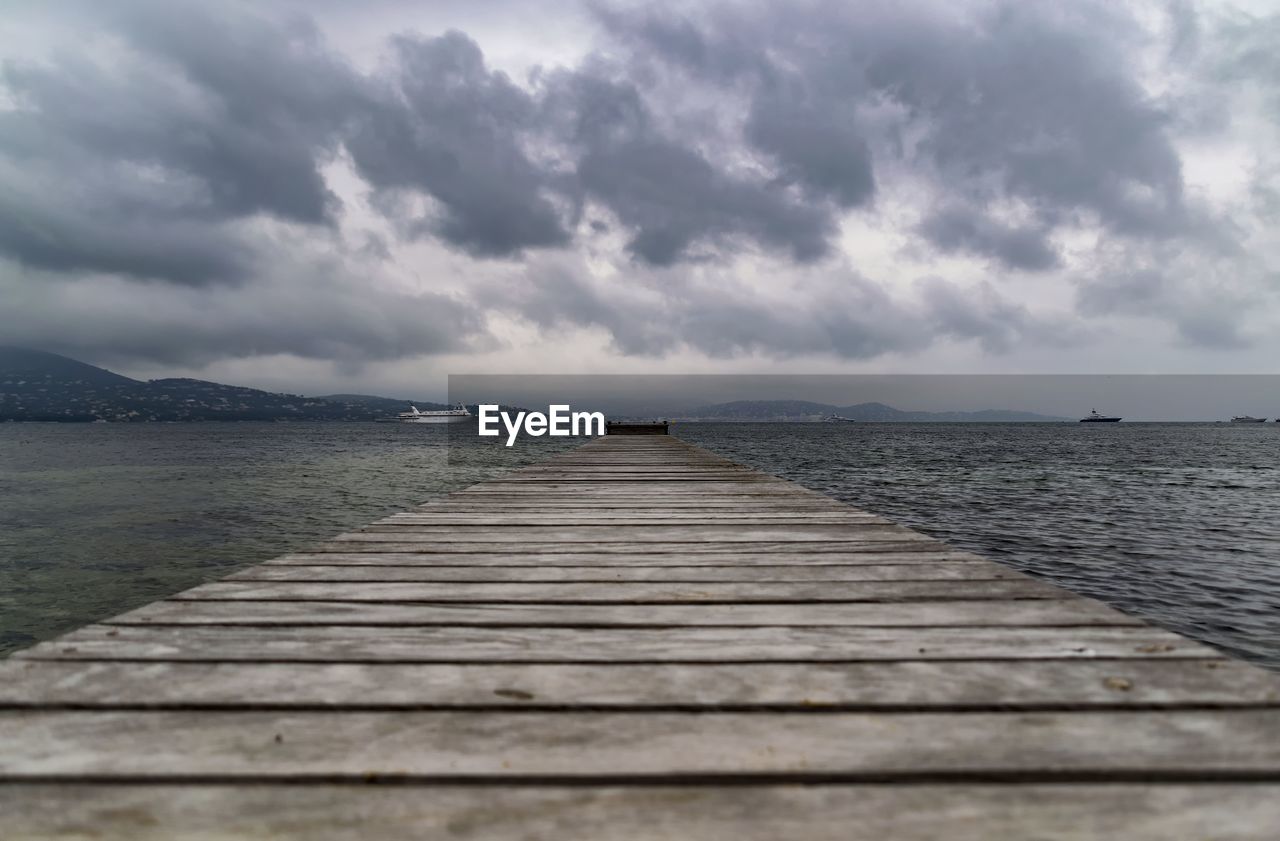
<point>1094,417</point>
<point>454,415</point>
<point>1247,419</point>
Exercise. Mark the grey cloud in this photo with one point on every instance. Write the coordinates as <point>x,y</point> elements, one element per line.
<point>238,107</point>
<point>559,293</point>
<point>1137,292</point>
<point>1014,100</point>
<point>1211,319</point>
<point>1245,53</point>
<point>981,313</point>
<point>716,42</point>
<point>668,193</point>
<point>859,322</point>
<point>1187,30</point>
<point>1041,107</point>
<point>192,150</point>
<point>234,115</point>
<point>1265,195</point>
<point>57,235</point>
<point>149,164</point>
<point>452,129</point>
<point>816,144</point>
<point>274,99</point>
<point>800,120</point>
<point>664,311</point>
<point>967,229</point>
<point>1031,106</point>
<point>1216,328</point>
<point>333,320</point>
<point>846,315</point>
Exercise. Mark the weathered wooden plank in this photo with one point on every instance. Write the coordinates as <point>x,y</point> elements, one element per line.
<point>639,514</point>
<point>976,613</point>
<point>693,504</point>
<point>449,745</point>
<point>812,686</point>
<point>633,534</point>
<point>1063,812</point>
<point>735,482</point>
<point>673,512</point>
<point>634,592</point>
<point>895,555</point>
<point>589,517</point>
<point>598,500</point>
<point>637,474</point>
<point>602,645</point>
<point>785,550</point>
<point>690,483</point>
<point>830,572</point>
<point>692,479</point>
<point>646,491</point>
<point>627,496</point>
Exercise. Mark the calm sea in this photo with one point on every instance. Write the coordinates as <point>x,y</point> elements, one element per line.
<point>1177,523</point>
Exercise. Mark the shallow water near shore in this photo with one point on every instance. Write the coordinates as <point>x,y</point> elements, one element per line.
<point>1176,523</point>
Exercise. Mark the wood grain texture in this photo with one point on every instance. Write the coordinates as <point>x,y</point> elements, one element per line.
<point>453,644</point>
<point>818,550</point>
<point>702,556</point>
<point>972,812</point>
<point>917,685</point>
<point>578,517</point>
<point>634,535</point>
<point>626,592</point>
<point>959,613</point>
<point>594,746</point>
<point>406,573</point>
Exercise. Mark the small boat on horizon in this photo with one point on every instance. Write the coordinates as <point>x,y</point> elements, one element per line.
<point>1248,419</point>
<point>454,415</point>
<point>839,419</point>
<point>1094,417</point>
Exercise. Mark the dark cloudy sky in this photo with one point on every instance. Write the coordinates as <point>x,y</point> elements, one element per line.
<point>366,196</point>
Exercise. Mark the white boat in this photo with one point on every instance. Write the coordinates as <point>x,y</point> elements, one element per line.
<point>1247,419</point>
<point>1094,417</point>
<point>839,419</point>
<point>455,415</point>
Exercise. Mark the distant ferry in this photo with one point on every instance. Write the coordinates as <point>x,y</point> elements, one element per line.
<point>455,415</point>
<point>1094,417</point>
<point>839,419</point>
<point>1247,419</point>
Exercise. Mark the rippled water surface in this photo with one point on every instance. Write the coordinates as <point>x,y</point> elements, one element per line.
<point>96,519</point>
<point>1178,523</point>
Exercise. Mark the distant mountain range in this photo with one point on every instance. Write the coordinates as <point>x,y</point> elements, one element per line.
<point>803,410</point>
<point>39,386</point>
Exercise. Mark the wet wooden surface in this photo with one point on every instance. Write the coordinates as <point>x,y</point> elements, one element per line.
<point>635,639</point>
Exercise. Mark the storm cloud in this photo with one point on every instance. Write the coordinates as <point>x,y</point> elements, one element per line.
<point>967,229</point>
<point>448,127</point>
<point>841,312</point>
<point>709,181</point>
<point>141,164</point>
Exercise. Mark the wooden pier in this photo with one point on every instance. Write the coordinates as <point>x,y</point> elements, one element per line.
<point>636,639</point>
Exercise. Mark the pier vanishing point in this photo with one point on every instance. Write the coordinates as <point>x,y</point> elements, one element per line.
<point>636,639</point>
